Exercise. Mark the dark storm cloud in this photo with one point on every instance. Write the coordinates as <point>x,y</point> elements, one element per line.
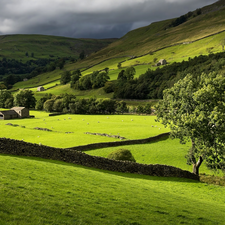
<point>88,18</point>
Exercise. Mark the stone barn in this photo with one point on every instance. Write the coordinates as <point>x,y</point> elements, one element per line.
<point>162,62</point>
<point>21,111</point>
<point>41,88</point>
<point>8,114</point>
<point>14,113</point>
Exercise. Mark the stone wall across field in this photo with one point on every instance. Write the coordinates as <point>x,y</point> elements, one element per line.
<point>119,143</point>
<point>20,148</point>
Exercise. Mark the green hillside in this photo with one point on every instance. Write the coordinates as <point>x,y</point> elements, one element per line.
<point>43,46</point>
<point>203,33</point>
<point>159,35</point>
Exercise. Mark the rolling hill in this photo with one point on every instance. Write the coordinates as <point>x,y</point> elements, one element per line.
<point>160,35</point>
<point>202,33</point>
<point>43,46</point>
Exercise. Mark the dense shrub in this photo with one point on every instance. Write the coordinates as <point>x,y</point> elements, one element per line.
<point>121,154</point>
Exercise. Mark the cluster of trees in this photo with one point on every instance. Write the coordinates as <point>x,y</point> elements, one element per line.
<point>23,98</point>
<point>68,103</point>
<point>12,71</point>
<point>95,80</point>
<point>194,109</point>
<point>151,84</point>
<point>141,109</point>
<point>13,66</point>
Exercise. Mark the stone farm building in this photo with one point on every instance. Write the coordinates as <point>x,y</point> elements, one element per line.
<point>161,62</point>
<point>15,112</point>
<point>40,88</point>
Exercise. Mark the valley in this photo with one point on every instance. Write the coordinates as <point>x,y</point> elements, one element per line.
<point>37,190</point>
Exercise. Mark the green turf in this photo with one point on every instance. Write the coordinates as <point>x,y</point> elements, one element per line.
<point>166,151</point>
<point>128,126</point>
<point>49,192</point>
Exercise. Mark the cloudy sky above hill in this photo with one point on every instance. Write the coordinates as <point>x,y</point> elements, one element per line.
<point>88,18</point>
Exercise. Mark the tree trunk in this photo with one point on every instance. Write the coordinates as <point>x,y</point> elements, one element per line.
<point>197,165</point>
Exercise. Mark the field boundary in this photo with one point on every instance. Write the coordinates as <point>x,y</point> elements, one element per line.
<point>118,143</point>
<point>21,148</point>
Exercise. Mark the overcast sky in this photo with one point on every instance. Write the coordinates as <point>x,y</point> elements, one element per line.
<point>88,18</point>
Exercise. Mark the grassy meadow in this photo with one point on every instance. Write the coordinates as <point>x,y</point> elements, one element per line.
<point>36,191</point>
<point>128,126</point>
<point>69,131</point>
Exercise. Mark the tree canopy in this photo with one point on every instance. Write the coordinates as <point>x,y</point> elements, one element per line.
<point>25,98</point>
<point>194,109</point>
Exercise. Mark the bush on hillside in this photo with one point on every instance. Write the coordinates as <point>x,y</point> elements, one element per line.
<point>121,154</point>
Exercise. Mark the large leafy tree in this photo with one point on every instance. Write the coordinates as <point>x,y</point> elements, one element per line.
<point>194,109</point>
<point>6,99</point>
<point>65,77</point>
<point>76,75</point>
<point>25,98</point>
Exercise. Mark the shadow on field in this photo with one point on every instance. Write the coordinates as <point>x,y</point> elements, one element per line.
<point>125,175</point>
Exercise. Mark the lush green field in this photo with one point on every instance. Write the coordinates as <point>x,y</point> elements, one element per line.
<point>59,89</point>
<point>39,80</point>
<point>36,191</point>
<point>181,52</point>
<point>128,126</point>
<point>69,131</point>
<point>166,151</point>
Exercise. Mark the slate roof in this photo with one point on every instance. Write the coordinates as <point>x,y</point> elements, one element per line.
<point>17,108</point>
<point>8,112</point>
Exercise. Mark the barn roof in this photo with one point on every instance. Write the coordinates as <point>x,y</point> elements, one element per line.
<point>17,108</point>
<point>8,112</point>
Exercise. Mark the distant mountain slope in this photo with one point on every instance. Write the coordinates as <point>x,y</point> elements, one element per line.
<point>43,46</point>
<point>201,23</point>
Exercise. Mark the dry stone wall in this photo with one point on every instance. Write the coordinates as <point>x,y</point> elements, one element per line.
<point>119,143</point>
<point>21,148</point>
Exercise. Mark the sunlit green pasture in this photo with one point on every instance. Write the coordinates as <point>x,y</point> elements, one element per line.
<point>172,54</point>
<point>59,89</point>
<point>111,64</point>
<point>165,151</point>
<point>40,80</point>
<point>128,126</point>
<point>181,52</point>
<point>36,191</point>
